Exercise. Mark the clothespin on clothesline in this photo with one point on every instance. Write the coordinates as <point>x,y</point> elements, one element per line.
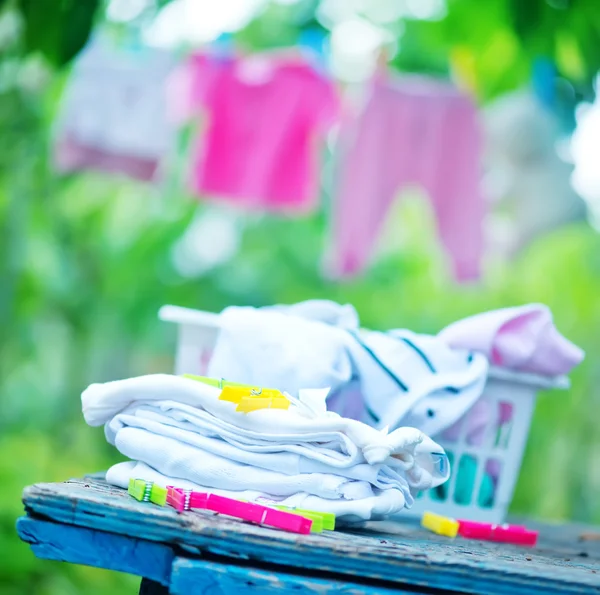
<point>543,82</point>
<point>314,42</point>
<point>183,500</point>
<point>462,64</point>
<point>381,63</point>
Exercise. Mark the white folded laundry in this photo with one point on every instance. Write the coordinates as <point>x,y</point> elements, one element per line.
<point>326,437</point>
<point>379,506</point>
<point>158,423</point>
<point>179,427</point>
<point>180,460</point>
<point>398,378</point>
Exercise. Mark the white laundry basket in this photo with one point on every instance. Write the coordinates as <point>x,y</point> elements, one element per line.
<point>485,450</point>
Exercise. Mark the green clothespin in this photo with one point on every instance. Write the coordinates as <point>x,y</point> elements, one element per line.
<point>158,495</point>
<point>137,489</point>
<point>216,382</point>
<point>317,520</point>
<point>147,491</point>
<point>327,519</point>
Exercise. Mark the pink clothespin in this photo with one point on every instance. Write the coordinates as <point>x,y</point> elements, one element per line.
<point>178,498</point>
<point>474,530</point>
<point>515,534</point>
<point>199,499</point>
<point>183,500</point>
<point>262,515</point>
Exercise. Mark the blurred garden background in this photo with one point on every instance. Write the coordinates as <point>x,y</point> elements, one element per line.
<point>87,258</point>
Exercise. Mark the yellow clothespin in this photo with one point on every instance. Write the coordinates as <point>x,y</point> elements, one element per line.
<point>253,403</point>
<point>462,62</point>
<point>247,398</point>
<point>439,524</point>
<point>235,394</point>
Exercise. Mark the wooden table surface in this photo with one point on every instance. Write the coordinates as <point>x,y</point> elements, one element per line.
<point>86,521</point>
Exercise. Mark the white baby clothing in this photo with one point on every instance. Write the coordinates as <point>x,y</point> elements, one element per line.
<point>178,459</point>
<point>180,428</point>
<point>398,378</point>
<point>325,437</point>
<point>158,424</point>
<point>379,506</point>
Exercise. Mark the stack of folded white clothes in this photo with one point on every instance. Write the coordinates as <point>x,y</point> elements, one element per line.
<point>177,431</point>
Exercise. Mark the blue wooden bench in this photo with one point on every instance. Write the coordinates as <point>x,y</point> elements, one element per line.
<point>89,522</point>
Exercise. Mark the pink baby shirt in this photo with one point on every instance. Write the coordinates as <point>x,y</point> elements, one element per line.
<point>411,131</point>
<point>265,116</point>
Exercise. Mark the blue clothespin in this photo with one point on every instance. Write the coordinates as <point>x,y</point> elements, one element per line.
<point>222,47</point>
<point>316,42</point>
<point>544,82</point>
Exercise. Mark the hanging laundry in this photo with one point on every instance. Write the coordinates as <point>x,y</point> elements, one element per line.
<point>303,455</point>
<point>265,117</point>
<point>411,131</point>
<point>398,378</point>
<point>113,114</point>
<point>530,184</point>
<point>522,338</point>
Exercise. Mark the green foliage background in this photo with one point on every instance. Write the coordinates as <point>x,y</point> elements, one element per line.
<point>84,267</point>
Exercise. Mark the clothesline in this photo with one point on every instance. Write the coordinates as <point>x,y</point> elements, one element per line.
<point>264,119</point>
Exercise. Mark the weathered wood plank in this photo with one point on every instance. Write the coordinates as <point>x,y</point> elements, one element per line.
<point>68,543</point>
<point>408,557</point>
<point>199,577</point>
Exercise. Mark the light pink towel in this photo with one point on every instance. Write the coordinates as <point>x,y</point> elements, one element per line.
<point>522,338</point>
<point>415,131</point>
<point>266,115</point>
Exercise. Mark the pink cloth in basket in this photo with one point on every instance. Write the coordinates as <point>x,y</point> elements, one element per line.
<point>412,131</point>
<point>522,338</point>
<point>265,118</point>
